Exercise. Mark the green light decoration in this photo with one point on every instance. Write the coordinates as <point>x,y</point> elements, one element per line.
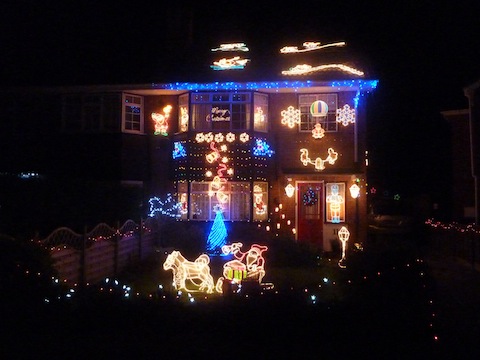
<point>218,234</point>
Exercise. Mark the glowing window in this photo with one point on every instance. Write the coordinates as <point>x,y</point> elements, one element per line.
<point>221,111</point>
<point>260,201</point>
<point>235,204</point>
<point>260,112</point>
<point>183,113</point>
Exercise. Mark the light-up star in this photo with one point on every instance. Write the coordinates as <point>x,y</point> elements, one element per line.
<point>318,132</point>
<point>346,115</point>
<point>290,117</point>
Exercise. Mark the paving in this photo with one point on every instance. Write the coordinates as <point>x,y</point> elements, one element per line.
<point>456,286</point>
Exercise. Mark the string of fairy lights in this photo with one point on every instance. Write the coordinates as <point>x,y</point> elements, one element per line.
<point>313,295</point>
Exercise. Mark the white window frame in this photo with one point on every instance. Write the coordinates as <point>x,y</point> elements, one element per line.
<point>124,114</point>
<point>307,121</point>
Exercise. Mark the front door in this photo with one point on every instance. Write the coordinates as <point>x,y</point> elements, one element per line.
<point>310,212</point>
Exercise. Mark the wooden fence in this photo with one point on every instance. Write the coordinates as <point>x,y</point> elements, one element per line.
<point>102,252</point>
<point>456,240</point>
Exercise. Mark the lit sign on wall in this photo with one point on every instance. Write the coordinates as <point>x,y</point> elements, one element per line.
<point>319,163</point>
<point>218,114</point>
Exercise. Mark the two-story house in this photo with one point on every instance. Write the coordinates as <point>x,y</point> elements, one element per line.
<point>284,147</point>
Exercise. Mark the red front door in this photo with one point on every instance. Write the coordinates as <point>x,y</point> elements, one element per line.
<point>310,212</point>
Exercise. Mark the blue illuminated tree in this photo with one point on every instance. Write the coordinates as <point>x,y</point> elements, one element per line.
<point>218,234</point>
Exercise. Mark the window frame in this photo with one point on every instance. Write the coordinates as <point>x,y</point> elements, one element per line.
<point>308,122</point>
<point>141,120</point>
<point>239,111</point>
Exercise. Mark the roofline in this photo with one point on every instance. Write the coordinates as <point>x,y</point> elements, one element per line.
<point>180,87</point>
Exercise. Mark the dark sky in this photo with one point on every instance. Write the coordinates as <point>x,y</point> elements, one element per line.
<point>423,52</point>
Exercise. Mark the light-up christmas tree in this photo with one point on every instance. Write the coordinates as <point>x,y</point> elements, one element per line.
<point>218,234</point>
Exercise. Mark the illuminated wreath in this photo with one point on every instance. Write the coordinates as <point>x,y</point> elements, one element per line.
<point>310,197</point>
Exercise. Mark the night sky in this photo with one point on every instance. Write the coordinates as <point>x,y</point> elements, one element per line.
<point>423,53</point>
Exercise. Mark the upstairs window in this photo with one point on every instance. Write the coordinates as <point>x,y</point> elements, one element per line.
<point>132,113</point>
<point>221,111</point>
<point>308,121</point>
<point>91,113</point>
<point>260,112</point>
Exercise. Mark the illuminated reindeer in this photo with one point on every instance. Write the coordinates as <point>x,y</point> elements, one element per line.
<point>196,273</point>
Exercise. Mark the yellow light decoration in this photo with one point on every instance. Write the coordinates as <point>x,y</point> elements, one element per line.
<point>334,201</point>
<point>232,47</point>
<point>289,190</point>
<point>219,137</point>
<point>309,46</point>
<point>183,118</point>
<point>343,235</point>
<point>260,206</point>
<point>307,69</point>
<point>354,191</point>
<point>230,137</point>
<point>251,263</point>
<point>318,132</point>
<point>319,163</point>
<point>258,116</point>
<point>290,117</point>
<point>209,137</point>
<point>233,63</point>
<point>200,137</point>
<point>190,276</point>
<point>346,115</point>
<point>244,137</point>
<point>161,120</point>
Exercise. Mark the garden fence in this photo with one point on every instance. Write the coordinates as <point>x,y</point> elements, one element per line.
<point>102,252</point>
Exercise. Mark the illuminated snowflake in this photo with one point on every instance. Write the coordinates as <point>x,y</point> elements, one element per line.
<point>346,115</point>
<point>200,137</point>
<point>244,137</point>
<point>209,137</point>
<point>230,137</point>
<point>219,137</point>
<point>290,117</point>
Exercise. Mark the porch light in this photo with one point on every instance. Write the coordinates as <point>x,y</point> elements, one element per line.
<point>355,191</point>
<point>289,190</point>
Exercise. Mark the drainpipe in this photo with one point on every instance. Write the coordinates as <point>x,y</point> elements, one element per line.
<point>470,95</point>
